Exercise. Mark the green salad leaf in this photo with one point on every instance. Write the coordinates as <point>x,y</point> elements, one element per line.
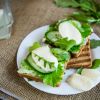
<point>75,49</point>
<point>52,27</point>
<point>90,9</point>
<point>65,44</point>
<point>66,3</point>
<point>96,63</point>
<point>25,65</point>
<point>94,43</point>
<point>84,17</point>
<point>61,55</point>
<point>53,78</point>
<point>86,30</point>
<point>34,46</point>
<point>85,5</point>
<point>79,70</point>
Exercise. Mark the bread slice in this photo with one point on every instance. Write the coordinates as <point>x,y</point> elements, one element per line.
<point>29,76</point>
<point>83,59</point>
<point>36,79</point>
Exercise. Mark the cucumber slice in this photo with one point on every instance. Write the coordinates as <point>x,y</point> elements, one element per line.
<point>45,54</point>
<point>46,66</point>
<point>32,63</point>
<point>53,36</point>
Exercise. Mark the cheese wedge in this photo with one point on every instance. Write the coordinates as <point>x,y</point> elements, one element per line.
<point>92,74</point>
<point>80,82</point>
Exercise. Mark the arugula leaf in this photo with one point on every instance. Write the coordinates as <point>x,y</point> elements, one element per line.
<point>61,55</point>
<point>96,63</point>
<point>75,49</point>
<point>94,43</point>
<point>97,4</point>
<point>52,27</point>
<point>86,30</point>
<point>84,17</point>
<point>34,46</point>
<point>79,70</point>
<point>66,3</point>
<point>54,78</point>
<point>65,44</point>
<point>87,5</point>
<point>90,8</point>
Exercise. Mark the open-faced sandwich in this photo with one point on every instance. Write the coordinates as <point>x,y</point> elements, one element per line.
<point>71,36</point>
<point>67,45</point>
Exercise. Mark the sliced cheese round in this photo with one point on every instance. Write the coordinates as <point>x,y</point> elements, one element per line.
<point>67,29</point>
<point>80,82</point>
<point>44,52</point>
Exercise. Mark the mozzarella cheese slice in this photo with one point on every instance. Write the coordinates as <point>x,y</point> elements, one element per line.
<point>80,82</point>
<point>93,74</point>
<point>66,29</point>
<point>45,53</point>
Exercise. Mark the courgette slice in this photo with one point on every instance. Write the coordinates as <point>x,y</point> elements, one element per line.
<point>32,63</point>
<point>52,36</point>
<point>47,66</point>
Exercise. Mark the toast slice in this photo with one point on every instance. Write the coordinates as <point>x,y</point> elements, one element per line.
<point>29,76</point>
<point>33,78</point>
<point>83,59</point>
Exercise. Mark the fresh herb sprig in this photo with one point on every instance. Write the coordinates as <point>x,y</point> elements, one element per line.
<point>90,9</point>
<point>94,43</point>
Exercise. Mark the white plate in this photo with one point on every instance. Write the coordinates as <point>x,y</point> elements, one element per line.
<point>64,88</point>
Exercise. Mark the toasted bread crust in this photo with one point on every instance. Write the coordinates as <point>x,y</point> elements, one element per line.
<point>81,49</point>
<point>33,78</point>
<point>83,60</point>
<point>30,77</point>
